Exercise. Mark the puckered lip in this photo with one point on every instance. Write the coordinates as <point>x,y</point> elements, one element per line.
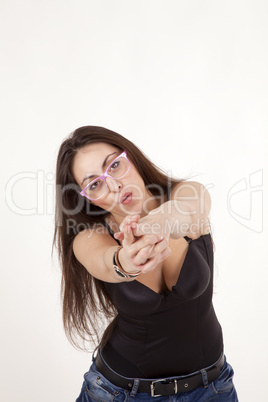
<point>125,195</point>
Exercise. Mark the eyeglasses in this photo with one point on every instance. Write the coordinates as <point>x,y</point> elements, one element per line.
<point>97,188</point>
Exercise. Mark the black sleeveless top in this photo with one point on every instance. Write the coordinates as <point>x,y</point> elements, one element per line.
<point>172,333</point>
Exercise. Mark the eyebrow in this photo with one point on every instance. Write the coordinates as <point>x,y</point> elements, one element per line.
<point>103,165</point>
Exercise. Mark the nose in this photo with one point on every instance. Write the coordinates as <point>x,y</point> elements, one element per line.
<point>113,184</point>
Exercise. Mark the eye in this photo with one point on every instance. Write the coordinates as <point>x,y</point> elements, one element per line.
<point>115,165</point>
<point>94,185</point>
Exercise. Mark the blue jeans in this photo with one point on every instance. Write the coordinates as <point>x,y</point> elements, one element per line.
<point>97,388</point>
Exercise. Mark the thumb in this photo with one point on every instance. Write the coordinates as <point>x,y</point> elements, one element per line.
<point>119,235</point>
<point>136,230</point>
<point>128,235</point>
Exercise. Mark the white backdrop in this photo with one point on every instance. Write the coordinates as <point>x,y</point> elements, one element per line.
<point>187,82</point>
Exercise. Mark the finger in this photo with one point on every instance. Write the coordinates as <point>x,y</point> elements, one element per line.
<point>119,235</point>
<point>128,220</point>
<point>159,247</point>
<point>145,228</point>
<point>150,251</point>
<point>136,218</point>
<point>143,255</point>
<point>137,230</point>
<point>153,262</point>
<point>147,240</point>
<point>128,236</point>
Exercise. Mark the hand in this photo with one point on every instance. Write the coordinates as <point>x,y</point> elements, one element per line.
<point>128,221</point>
<point>141,253</point>
<point>126,234</point>
<point>156,222</point>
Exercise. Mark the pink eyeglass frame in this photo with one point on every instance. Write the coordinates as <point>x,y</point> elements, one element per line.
<point>103,177</point>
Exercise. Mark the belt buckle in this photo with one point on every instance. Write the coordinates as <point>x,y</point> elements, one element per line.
<point>161,380</point>
<point>95,353</point>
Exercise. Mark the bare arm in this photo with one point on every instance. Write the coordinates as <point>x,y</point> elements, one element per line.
<point>186,213</point>
<point>94,249</point>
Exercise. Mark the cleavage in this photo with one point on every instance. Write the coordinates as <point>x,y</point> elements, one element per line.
<point>166,274</point>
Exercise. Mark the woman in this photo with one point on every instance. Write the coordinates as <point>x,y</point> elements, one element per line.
<point>135,246</point>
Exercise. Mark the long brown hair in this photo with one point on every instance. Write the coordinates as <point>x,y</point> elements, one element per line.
<point>86,302</point>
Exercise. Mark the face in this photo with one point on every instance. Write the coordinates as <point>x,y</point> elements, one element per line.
<point>125,196</point>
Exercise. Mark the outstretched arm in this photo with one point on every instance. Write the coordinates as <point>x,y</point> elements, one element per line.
<point>186,213</point>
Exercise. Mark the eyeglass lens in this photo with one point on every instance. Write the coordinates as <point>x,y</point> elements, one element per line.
<point>117,170</point>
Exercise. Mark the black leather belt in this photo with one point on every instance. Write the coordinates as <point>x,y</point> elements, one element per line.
<point>159,387</point>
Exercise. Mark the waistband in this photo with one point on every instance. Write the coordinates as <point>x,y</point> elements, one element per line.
<point>162,386</point>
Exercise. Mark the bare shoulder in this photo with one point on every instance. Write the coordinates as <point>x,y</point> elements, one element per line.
<point>90,233</point>
<point>92,239</point>
<point>188,189</point>
<point>194,193</point>
<point>195,198</point>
